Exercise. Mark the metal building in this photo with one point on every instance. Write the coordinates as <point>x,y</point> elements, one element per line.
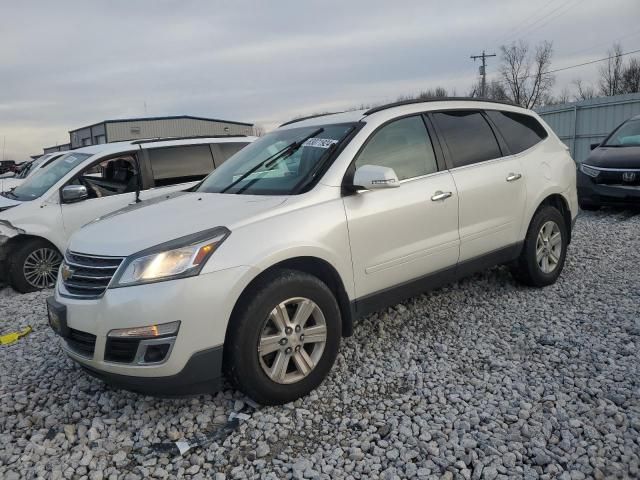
<point>57,148</point>
<point>154,127</point>
<point>580,124</point>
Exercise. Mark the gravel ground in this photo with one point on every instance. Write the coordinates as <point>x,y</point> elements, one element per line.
<point>481,379</point>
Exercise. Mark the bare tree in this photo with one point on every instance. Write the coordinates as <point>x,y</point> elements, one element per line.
<point>524,75</point>
<point>631,77</point>
<point>438,92</point>
<point>584,91</point>
<point>494,90</point>
<point>258,131</point>
<point>611,74</point>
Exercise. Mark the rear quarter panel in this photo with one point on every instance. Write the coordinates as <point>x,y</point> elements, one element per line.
<point>548,169</point>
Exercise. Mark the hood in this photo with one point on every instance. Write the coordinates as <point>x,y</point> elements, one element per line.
<point>149,224</point>
<point>7,184</point>
<point>615,157</point>
<point>6,203</point>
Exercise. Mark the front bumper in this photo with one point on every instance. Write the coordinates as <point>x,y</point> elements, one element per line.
<point>591,193</point>
<point>203,305</point>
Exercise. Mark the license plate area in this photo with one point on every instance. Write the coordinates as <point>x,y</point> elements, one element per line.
<point>57,315</point>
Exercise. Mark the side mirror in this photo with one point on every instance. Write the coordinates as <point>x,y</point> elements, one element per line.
<point>374,177</point>
<point>74,193</point>
<point>594,146</point>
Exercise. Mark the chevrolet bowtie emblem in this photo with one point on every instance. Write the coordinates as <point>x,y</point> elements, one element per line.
<point>67,273</point>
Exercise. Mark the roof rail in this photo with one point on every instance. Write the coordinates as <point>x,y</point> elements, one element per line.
<point>441,99</point>
<point>301,119</point>
<point>192,137</point>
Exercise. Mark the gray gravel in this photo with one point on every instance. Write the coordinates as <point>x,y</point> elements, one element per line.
<point>481,379</point>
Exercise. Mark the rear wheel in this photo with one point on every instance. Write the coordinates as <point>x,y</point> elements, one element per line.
<point>545,248</point>
<point>284,340</point>
<point>34,265</point>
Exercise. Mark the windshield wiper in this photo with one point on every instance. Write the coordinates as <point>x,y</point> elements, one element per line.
<point>320,163</point>
<point>10,192</point>
<point>270,161</point>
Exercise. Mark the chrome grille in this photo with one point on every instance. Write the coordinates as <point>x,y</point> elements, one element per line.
<point>88,276</point>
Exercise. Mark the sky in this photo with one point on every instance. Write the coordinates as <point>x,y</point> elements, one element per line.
<point>68,64</point>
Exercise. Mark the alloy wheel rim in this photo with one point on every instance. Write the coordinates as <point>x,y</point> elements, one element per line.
<point>549,247</point>
<point>292,340</point>
<point>41,267</point>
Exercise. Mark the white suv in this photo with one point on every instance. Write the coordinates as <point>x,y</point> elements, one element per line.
<point>38,216</point>
<point>260,270</point>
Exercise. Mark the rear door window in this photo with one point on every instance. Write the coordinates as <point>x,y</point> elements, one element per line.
<point>468,137</point>
<point>519,131</point>
<point>223,151</point>
<point>174,165</point>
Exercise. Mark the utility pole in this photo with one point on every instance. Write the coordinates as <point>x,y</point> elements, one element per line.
<point>483,71</point>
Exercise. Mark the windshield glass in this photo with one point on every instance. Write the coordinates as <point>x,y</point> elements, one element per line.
<point>627,135</point>
<point>31,167</point>
<point>44,178</point>
<point>253,171</point>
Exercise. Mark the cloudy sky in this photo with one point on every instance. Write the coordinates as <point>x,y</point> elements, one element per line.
<point>67,64</point>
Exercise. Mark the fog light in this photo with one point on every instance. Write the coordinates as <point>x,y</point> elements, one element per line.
<point>156,353</point>
<point>150,331</point>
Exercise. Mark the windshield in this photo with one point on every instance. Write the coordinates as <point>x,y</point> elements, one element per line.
<point>252,171</point>
<point>31,167</point>
<point>627,135</point>
<point>45,178</point>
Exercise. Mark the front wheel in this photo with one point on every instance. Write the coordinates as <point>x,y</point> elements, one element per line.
<point>34,265</point>
<point>283,342</point>
<point>545,248</point>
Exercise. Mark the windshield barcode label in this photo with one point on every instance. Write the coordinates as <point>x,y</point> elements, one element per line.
<point>319,142</point>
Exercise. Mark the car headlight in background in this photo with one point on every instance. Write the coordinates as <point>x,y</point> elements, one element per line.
<point>587,170</point>
<point>184,257</point>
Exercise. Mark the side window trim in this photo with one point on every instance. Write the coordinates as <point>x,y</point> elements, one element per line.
<point>445,148</point>
<point>502,144</point>
<point>145,170</point>
<point>349,172</point>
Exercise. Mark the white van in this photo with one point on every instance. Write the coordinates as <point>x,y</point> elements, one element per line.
<point>10,182</point>
<point>38,217</point>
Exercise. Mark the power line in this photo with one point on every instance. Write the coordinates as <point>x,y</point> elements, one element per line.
<point>583,64</point>
<point>548,18</point>
<point>513,30</point>
<point>589,63</point>
<point>540,19</point>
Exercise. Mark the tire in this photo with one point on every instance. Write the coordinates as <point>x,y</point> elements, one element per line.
<point>22,275</point>
<point>261,317</point>
<point>530,268</point>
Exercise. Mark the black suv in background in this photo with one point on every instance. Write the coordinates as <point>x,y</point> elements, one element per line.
<point>611,174</point>
<point>7,166</point>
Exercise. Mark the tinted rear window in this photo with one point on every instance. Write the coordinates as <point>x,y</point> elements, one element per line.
<point>468,136</point>
<point>173,165</point>
<point>519,131</point>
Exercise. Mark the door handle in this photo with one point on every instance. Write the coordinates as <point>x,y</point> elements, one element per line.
<point>440,195</point>
<point>512,177</point>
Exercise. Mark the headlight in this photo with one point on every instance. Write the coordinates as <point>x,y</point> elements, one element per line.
<point>587,170</point>
<point>184,257</point>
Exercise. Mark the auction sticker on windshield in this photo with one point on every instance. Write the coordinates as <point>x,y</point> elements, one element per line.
<point>319,142</point>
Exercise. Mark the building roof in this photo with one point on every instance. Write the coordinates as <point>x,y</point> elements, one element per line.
<point>171,117</point>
